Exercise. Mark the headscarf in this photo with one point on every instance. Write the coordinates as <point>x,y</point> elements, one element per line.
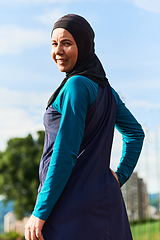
<point>87,64</point>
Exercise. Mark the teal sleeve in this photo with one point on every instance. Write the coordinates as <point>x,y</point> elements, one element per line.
<point>132,136</point>
<point>72,102</point>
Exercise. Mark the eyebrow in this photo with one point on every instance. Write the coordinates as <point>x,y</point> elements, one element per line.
<point>63,40</point>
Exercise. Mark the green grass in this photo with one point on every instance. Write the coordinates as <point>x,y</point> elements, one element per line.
<point>11,236</point>
<point>149,230</point>
<point>146,231</point>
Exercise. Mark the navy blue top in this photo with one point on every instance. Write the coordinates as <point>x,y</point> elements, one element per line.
<point>72,103</point>
<point>79,128</point>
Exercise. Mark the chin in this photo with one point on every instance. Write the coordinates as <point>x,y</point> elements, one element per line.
<point>61,69</point>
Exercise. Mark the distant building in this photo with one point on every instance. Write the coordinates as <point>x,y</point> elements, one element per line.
<point>136,198</point>
<point>13,225</point>
<point>153,213</point>
<point>143,199</point>
<point>9,222</point>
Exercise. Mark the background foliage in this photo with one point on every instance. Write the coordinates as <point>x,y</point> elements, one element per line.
<point>19,165</point>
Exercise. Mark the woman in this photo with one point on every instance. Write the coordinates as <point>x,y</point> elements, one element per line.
<point>79,195</point>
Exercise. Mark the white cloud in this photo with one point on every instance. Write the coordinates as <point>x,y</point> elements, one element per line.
<point>15,39</point>
<point>21,114</point>
<point>23,99</point>
<point>12,2</point>
<point>148,5</point>
<point>145,104</point>
<point>16,123</point>
<point>52,1</point>
<point>50,16</point>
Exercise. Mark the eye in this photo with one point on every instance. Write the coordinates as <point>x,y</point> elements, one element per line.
<point>67,44</point>
<point>54,44</point>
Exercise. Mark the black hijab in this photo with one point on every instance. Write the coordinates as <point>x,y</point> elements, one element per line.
<point>87,64</point>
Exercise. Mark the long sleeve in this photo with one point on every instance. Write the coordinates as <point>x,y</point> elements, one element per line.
<point>72,103</point>
<point>132,136</point>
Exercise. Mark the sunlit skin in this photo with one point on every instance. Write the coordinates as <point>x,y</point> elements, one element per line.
<point>64,50</point>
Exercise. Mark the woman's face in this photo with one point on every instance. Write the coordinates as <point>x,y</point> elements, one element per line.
<point>64,50</point>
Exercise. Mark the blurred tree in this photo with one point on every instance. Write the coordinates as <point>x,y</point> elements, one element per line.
<point>19,165</point>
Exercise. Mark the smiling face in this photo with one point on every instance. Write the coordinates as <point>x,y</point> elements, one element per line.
<point>64,50</point>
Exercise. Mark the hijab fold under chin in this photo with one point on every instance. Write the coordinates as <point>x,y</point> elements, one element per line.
<point>87,64</point>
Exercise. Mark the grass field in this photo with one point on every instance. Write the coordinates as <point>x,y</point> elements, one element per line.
<point>146,231</point>
<point>141,231</point>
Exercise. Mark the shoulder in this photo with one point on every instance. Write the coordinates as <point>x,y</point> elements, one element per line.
<point>81,86</point>
<point>117,97</point>
<point>81,81</point>
<point>78,90</point>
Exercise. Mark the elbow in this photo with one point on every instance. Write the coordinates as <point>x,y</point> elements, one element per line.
<point>139,134</point>
<point>142,134</point>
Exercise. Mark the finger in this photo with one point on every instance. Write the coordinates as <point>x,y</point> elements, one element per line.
<point>27,234</point>
<point>39,234</point>
<point>33,234</point>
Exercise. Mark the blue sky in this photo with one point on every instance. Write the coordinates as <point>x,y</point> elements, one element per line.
<point>127,42</point>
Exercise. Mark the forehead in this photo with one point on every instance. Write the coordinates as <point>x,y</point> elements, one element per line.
<point>61,33</point>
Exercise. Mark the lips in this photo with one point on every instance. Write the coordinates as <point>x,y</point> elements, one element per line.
<point>60,61</point>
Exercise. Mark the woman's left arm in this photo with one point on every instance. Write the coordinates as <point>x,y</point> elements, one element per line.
<point>132,136</point>
<point>73,101</point>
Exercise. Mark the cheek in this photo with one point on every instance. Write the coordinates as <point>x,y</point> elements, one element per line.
<point>75,56</point>
<point>53,54</point>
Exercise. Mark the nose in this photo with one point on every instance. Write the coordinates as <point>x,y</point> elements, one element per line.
<point>59,50</point>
